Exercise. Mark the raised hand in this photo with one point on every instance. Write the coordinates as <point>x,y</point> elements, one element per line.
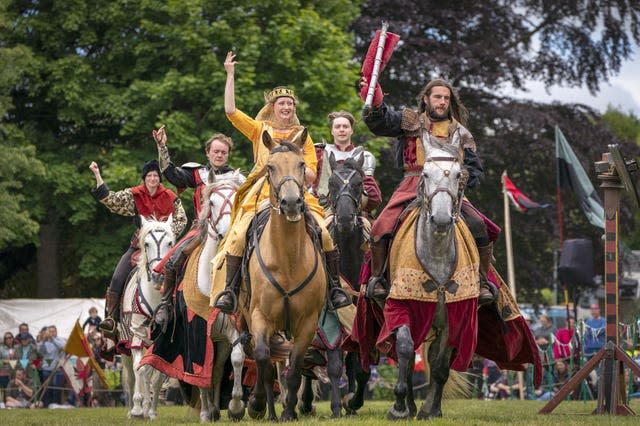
<point>94,168</point>
<point>230,63</point>
<point>160,136</point>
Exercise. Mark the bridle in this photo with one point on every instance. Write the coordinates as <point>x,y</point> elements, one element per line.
<point>276,189</point>
<point>224,210</point>
<point>149,262</point>
<point>344,192</point>
<point>428,198</point>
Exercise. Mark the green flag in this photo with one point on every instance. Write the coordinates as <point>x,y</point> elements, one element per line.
<point>572,176</point>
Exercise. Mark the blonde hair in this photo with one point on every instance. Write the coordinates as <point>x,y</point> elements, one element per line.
<point>267,113</point>
<point>219,137</point>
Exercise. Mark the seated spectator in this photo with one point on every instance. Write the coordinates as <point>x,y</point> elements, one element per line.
<point>560,376</point>
<point>503,388</point>
<point>7,353</point>
<point>565,345</point>
<point>93,321</point>
<point>19,390</point>
<point>543,333</point>
<point>27,354</point>
<point>23,332</point>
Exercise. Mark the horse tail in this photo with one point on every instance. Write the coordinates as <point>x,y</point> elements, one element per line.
<point>458,386</point>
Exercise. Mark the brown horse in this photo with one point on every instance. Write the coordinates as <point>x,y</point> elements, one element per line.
<point>288,282</point>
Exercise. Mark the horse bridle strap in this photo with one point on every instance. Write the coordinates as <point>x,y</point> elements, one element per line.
<point>343,190</point>
<point>276,188</point>
<point>454,196</point>
<point>227,202</point>
<point>283,292</point>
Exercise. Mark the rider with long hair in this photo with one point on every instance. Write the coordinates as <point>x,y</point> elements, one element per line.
<point>149,199</point>
<point>278,118</point>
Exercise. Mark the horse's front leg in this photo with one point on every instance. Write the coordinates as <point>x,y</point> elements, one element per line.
<point>236,405</point>
<point>263,390</point>
<point>411,403</point>
<point>139,385</point>
<point>128,379</point>
<point>222,351</point>
<point>404,349</point>
<point>156,385</point>
<point>205,405</point>
<point>358,379</point>
<point>439,362</point>
<point>334,371</point>
<point>301,343</point>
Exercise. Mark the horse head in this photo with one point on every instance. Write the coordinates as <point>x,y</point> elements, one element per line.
<point>155,240</point>
<point>286,174</point>
<point>439,183</point>
<point>346,185</point>
<point>215,217</point>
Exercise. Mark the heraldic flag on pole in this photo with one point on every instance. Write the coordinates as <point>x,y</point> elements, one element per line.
<point>518,199</point>
<point>368,63</point>
<point>572,176</point>
<point>78,345</point>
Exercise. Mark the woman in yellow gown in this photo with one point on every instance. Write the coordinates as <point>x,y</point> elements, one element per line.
<point>278,118</point>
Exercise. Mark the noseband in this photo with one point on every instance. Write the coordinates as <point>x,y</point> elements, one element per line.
<point>455,196</point>
<point>278,187</point>
<point>225,210</point>
<point>344,192</point>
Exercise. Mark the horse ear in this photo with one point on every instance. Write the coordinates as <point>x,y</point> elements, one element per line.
<point>143,221</point>
<point>170,219</point>
<point>332,161</point>
<point>267,140</point>
<point>303,137</point>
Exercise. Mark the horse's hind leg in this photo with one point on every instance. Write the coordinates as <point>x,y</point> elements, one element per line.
<point>439,361</point>
<point>404,349</point>
<point>222,352</point>
<point>156,384</point>
<point>236,406</point>
<point>358,379</point>
<point>411,403</point>
<point>306,400</point>
<point>334,371</point>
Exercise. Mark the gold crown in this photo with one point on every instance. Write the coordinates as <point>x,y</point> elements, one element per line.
<point>279,92</point>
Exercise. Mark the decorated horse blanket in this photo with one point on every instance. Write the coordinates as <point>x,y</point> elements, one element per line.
<point>497,332</point>
<point>185,351</point>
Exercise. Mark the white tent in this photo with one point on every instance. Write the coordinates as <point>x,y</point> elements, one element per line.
<point>39,313</point>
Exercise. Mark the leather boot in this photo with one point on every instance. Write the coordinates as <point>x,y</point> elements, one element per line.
<point>108,325</point>
<point>227,300</point>
<point>377,287</point>
<point>488,291</point>
<point>337,296</point>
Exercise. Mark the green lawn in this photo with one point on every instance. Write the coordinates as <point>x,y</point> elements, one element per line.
<point>457,412</point>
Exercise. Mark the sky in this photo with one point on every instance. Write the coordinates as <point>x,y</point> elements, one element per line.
<point>621,91</point>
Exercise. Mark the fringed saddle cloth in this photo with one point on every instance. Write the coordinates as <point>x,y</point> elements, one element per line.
<point>410,281</point>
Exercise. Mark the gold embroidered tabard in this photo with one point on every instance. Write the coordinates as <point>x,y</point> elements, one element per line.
<point>408,275</point>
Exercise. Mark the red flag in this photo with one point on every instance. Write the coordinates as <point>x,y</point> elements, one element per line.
<point>519,200</point>
<point>369,60</point>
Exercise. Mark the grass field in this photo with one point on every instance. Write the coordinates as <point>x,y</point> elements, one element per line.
<point>457,412</point>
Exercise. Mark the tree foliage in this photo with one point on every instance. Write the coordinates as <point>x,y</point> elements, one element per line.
<point>90,80</point>
<point>484,46</point>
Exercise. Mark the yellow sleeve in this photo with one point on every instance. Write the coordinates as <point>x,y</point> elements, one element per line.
<point>246,125</point>
<point>309,154</point>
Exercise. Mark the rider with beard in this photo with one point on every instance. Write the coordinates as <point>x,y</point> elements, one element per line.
<point>442,114</point>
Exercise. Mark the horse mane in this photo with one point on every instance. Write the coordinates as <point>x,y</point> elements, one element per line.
<point>148,226</point>
<point>286,146</point>
<point>352,163</point>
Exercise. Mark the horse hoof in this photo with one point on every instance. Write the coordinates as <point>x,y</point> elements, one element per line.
<point>288,417</point>
<point>256,414</point>
<point>424,415</point>
<point>307,411</point>
<point>394,414</point>
<point>236,416</point>
<point>215,415</point>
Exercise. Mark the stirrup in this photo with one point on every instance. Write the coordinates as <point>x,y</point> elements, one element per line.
<point>336,292</point>
<point>224,307</point>
<point>370,293</point>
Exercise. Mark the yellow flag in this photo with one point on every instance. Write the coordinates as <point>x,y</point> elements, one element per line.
<point>78,345</point>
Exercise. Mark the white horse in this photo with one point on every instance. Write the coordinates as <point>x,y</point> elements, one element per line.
<point>216,220</point>
<point>140,299</point>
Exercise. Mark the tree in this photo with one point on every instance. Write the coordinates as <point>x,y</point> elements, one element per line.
<point>482,47</point>
<point>102,74</point>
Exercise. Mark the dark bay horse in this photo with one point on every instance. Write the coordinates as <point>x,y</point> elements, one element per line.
<point>288,282</point>
<point>345,224</point>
